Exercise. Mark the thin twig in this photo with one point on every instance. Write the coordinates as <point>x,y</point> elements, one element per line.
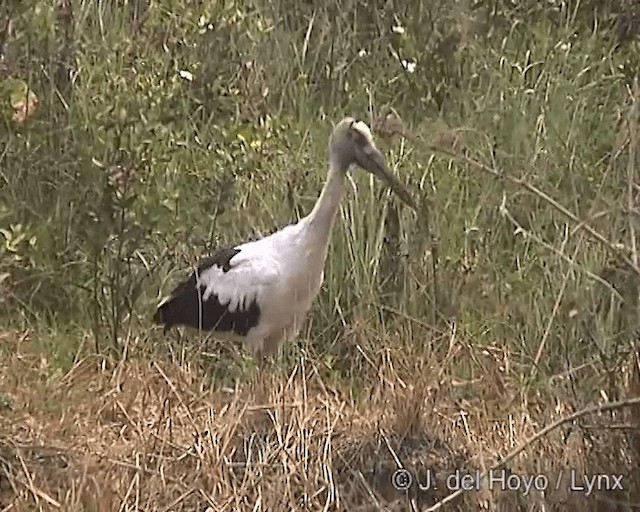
<point>532,236</point>
<point>596,235</point>
<point>631,170</point>
<point>177,395</point>
<point>554,313</point>
<point>539,435</point>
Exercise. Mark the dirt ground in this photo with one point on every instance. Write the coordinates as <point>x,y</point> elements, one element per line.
<point>151,435</point>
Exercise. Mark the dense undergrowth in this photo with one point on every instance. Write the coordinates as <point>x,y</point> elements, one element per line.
<point>135,136</point>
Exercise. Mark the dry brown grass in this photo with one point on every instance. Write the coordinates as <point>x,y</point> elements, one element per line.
<point>152,435</point>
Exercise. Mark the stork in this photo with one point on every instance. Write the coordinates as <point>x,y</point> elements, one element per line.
<point>261,291</point>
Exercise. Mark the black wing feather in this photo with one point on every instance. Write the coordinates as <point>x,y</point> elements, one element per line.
<point>187,307</point>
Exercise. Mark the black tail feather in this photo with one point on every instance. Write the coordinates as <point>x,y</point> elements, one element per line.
<point>181,309</point>
<point>172,311</point>
<point>186,307</point>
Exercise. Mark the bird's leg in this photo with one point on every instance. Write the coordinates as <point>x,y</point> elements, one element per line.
<point>255,347</point>
<point>260,364</point>
<point>259,389</point>
<point>264,352</point>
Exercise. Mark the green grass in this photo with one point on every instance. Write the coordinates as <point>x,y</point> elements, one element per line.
<point>163,129</point>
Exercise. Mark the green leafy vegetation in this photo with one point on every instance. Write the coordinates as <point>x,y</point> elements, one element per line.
<point>135,136</point>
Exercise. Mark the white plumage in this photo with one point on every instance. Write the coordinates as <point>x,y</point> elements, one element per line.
<point>261,291</point>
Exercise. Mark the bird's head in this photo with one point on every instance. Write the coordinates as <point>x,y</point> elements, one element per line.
<point>351,144</point>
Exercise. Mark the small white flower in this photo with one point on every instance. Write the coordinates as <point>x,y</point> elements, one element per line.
<point>565,47</point>
<point>186,75</point>
<point>397,29</point>
<point>362,53</point>
<point>409,66</point>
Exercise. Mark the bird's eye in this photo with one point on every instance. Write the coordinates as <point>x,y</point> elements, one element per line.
<point>358,137</point>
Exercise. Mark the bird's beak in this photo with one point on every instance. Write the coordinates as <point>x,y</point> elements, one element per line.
<point>370,158</point>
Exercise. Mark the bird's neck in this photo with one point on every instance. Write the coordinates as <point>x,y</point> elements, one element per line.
<point>323,215</point>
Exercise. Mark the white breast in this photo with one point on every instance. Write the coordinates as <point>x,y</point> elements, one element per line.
<point>302,268</point>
